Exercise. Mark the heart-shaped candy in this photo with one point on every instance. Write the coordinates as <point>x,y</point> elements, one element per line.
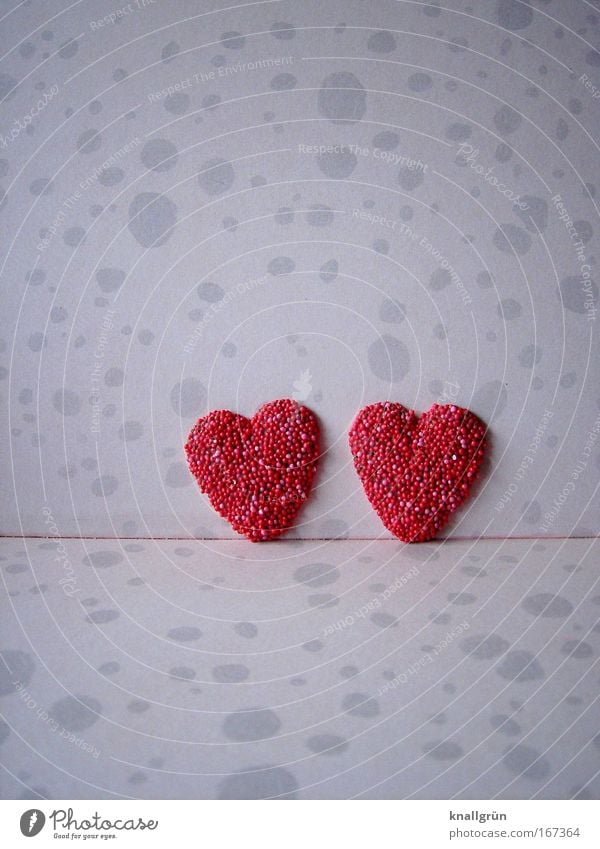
<point>256,472</point>
<point>416,471</point>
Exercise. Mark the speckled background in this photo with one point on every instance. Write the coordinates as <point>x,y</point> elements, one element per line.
<point>341,202</point>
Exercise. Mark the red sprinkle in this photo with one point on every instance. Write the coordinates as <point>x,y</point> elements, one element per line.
<point>256,472</point>
<point>416,471</point>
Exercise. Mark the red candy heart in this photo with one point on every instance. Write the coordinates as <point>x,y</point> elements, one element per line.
<point>416,471</point>
<point>256,472</point>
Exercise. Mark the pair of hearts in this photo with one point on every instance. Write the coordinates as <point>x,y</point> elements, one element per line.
<point>415,471</point>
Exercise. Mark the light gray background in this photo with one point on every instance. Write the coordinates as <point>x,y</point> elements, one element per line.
<point>133,223</point>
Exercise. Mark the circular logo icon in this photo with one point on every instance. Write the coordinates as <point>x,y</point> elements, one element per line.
<point>32,822</point>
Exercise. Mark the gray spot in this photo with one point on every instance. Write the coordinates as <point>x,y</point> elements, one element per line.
<point>458,132</point>
<point>105,485</point>
<point>259,783</point>
<point>101,617</point>
<point>333,529</point>
<point>536,217</point>
<point>381,42</point>
<point>548,605</point>
<point>409,179</point>
<point>111,176</point>
<point>360,704</point>
<point>130,431</point>
<point>281,265</point>
<point>530,356</point>
<point>316,574</point>
<point>392,311</point>
<point>74,236</point>
<point>103,559</point>
<point>68,49</point>
<point>16,667</point>
<point>577,649</point>
<point>443,750</point>
<point>349,671</point>
<point>7,86</point>
<point>509,238</point>
<point>216,177</point>
<point>230,673</point>
<point>89,141</point>
<point>36,342</point>
<point>461,599</point>
<point>283,31</point>
<point>75,713</point>
<point>490,399</point>
<point>233,40</point>
<point>383,620</point>
<point>323,600</point>
<point>506,120</point>
<point>514,14</point>
<point>177,103</point>
<point>313,646</point>
<point>169,52</point>
<point>284,215</point>
<point>187,397</point>
<point>159,155</point>
<point>419,81</point>
<point>389,359</point>
<point>114,377</point>
<point>283,82</point>
<point>509,309</point>
<point>152,217</point>
<point>319,215</point>
<point>138,706</point>
<point>41,186</point>
<point>66,402</point>
<point>109,668</point>
<point>110,279</point>
<point>247,725</point>
<point>184,634</point>
<point>520,666</point>
<point>484,647</point>
<point>245,629</point>
<point>327,744</point>
<point>342,99</point>
<point>386,140</point>
<point>440,279</point>
<point>210,292</point>
<point>329,271</point>
<point>182,673</point>
<point>526,761</point>
<point>338,165</point>
<point>531,512</point>
<point>573,296</point>
<point>178,476</point>
<point>505,725</point>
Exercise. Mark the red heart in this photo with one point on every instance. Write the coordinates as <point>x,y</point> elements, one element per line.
<point>416,471</point>
<point>256,472</point>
